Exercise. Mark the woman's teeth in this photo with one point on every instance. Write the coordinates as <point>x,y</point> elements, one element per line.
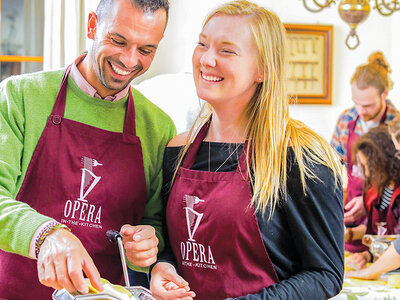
<point>211,78</point>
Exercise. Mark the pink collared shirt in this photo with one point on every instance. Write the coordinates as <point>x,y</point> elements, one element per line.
<point>85,86</point>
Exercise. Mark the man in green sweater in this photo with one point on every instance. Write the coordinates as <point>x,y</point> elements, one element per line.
<point>81,153</point>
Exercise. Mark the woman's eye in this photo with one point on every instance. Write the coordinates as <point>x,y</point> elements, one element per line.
<point>228,51</point>
<point>201,44</point>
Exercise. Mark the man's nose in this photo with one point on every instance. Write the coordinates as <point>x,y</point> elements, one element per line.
<point>130,58</point>
<point>361,110</point>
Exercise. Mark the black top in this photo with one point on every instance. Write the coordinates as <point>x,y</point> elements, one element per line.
<point>304,237</point>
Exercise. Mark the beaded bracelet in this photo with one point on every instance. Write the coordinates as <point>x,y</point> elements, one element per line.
<point>44,232</point>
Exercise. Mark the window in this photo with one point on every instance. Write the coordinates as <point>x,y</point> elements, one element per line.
<point>21,37</point>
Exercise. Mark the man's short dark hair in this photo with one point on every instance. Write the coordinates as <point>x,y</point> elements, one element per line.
<point>146,5</point>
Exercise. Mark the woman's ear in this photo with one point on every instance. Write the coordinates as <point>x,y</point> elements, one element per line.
<point>91,25</point>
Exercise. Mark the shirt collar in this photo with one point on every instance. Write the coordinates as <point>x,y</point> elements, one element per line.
<point>85,86</point>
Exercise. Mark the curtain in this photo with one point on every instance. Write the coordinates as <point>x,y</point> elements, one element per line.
<point>65,31</point>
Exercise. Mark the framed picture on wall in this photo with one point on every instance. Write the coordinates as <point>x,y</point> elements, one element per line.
<point>310,63</point>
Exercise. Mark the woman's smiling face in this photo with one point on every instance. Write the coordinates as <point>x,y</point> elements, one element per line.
<point>225,62</point>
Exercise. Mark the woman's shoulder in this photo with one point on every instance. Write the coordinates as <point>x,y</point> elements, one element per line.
<point>179,140</point>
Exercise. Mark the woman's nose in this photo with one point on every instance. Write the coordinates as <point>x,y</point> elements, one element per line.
<point>208,58</point>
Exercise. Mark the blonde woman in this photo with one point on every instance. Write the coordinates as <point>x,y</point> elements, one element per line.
<point>254,198</point>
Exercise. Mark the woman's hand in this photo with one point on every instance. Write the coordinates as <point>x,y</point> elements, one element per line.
<point>363,274</point>
<point>359,260</point>
<point>166,284</point>
<point>61,262</point>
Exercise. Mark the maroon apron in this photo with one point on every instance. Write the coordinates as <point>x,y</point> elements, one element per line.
<point>88,178</point>
<point>385,215</point>
<point>214,232</point>
<point>355,182</point>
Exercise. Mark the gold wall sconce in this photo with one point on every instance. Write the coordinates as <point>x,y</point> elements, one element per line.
<point>354,12</point>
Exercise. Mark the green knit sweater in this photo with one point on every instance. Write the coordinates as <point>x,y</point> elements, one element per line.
<point>26,101</point>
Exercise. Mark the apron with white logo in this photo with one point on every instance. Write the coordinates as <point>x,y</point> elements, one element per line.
<point>88,178</point>
<point>355,182</point>
<point>214,232</point>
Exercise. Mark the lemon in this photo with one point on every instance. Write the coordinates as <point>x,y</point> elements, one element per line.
<point>394,281</point>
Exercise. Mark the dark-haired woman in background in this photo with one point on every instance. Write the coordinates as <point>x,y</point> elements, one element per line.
<point>376,153</point>
<point>390,260</point>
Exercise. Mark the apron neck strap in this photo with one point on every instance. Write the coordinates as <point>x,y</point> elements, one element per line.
<point>59,105</point>
<point>194,147</point>
<point>130,124</point>
<point>383,119</point>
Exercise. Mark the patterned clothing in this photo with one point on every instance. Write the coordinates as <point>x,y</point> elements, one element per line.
<point>341,134</point>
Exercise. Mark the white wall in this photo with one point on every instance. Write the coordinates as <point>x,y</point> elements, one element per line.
<point>173,92</point>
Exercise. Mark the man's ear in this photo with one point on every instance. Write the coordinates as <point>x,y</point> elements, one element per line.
<point>91,25</point>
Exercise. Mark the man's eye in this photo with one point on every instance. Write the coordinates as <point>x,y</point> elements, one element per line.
<point>228,51</point>
<point>201,44</point>
<point>117,42</point>
<point>145,51</point>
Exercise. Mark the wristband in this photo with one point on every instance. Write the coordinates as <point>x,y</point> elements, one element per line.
<point>350,234</point>
<point>371,256</point>
<point>45,232</point>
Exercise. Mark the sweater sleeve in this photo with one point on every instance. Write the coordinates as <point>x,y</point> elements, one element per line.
<point>170,157</point>
<point>315,225</point>
<point>397,245</point>
<point>338,138</point>
<point>18,221</point>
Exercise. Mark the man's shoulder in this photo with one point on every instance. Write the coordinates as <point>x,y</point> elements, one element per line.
<point>392,111</point>
<point>31,86</point>
<point>41,79</point>
<point>348,115</point>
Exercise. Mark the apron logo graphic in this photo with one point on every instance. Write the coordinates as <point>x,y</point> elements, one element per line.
<point>195,254</point>
<point>80,212</point>
<point>192,216</point>
<point>87,176</point>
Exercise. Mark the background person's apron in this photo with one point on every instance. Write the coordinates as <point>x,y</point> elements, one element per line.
<point>355,184</point>
<point>385,215</point>
<point>88,178</point>
<point>214,232</point>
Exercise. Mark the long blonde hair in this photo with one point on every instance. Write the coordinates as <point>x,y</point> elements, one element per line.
<point>270,130</point>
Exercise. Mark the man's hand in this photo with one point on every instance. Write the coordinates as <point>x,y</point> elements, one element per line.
<point>61,262</point>
<point>166,284</point>
<point>354,210</point>
<point>140,243</point>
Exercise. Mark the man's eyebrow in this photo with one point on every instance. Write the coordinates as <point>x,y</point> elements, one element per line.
<point>118,35</point>
<point>125,39</point>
